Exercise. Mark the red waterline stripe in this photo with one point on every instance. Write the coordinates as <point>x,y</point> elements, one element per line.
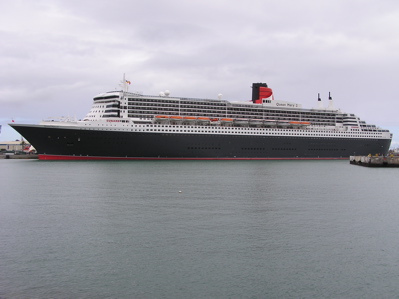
<point>60,157</point>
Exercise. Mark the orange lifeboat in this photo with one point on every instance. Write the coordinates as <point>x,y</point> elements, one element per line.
<point>205,120</point>
<point>299,123</point>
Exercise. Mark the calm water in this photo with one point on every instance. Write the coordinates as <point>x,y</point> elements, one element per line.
<point>237,229</point>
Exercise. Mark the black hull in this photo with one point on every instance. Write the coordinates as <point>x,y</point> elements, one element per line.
<point>113,144</point>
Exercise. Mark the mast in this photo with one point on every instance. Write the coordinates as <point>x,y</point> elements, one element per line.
<point>125,84</point>
<point>330,102</point>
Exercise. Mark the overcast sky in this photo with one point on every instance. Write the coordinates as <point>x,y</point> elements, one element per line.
<point>55,56</point>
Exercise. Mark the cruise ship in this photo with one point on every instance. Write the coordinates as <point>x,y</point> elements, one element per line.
<point>131,125</point>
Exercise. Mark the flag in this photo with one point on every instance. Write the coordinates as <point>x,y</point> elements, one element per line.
<point>128,82</point>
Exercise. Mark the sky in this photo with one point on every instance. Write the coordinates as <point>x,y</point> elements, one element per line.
<point>55,56</point>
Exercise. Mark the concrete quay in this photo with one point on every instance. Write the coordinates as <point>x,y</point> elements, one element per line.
<point>27,156</point>
<point>375,161</point>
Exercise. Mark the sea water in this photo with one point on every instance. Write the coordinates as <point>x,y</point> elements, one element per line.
<point>198,229</point>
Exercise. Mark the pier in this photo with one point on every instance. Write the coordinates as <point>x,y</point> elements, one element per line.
<point>375,161</point>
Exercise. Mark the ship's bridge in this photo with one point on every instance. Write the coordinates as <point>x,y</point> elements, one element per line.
<point>105,105</point>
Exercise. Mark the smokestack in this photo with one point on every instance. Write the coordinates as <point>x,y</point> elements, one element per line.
<point>260,91</point>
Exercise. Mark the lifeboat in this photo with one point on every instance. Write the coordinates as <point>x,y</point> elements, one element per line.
<point>241,121</point>
<point>189,119</point>
<point>299,123</point>
<point>176,117</point>
<point>255,122</point>
<point>203,119</point>
<point>226,120</point>
<point>161,118</point>
<point>270,123</point>
<point>283,123</point>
